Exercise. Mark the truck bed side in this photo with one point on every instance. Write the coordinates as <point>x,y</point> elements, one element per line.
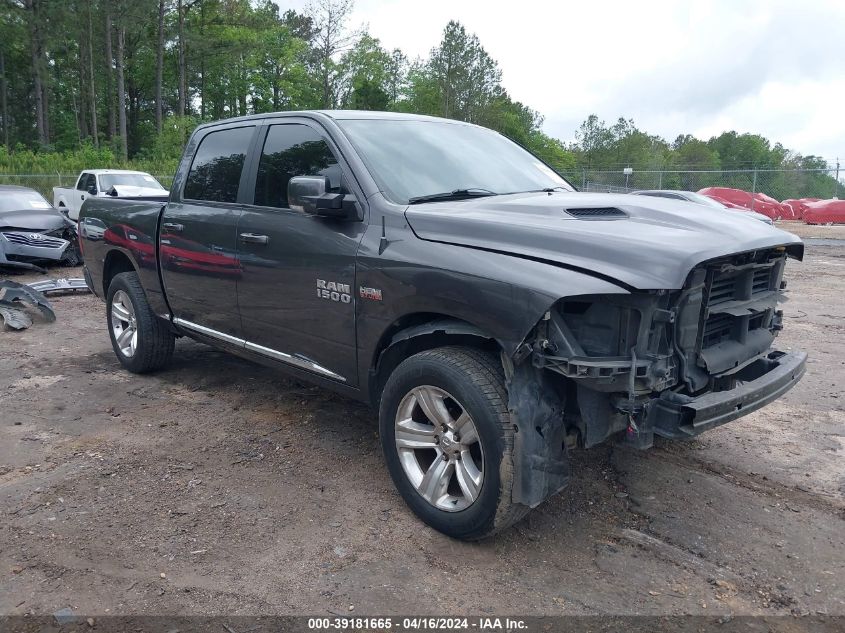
<point>125,238</point>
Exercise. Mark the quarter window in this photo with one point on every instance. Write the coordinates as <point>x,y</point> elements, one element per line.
<point>216,171</point>
<point>292,150</point>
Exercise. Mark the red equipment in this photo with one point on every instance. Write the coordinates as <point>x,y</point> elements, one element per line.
<point>825,212</point>
<point>739,198</point>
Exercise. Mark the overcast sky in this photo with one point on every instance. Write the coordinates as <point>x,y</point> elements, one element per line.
<point>771,67</point>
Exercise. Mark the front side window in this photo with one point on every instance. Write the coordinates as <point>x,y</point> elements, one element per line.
<point>83,185</point>
<point>292,150</point>
<point>216,170</point>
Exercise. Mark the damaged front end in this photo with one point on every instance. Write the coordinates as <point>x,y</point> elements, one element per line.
<point>28,248</point>
<point>671,363</point>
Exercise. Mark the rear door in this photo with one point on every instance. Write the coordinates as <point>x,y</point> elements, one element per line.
<point>297,290</point>
<point>198,240</point>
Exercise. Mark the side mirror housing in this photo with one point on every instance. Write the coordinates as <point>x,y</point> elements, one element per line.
<point>92,191</point>
<point>309,194</point>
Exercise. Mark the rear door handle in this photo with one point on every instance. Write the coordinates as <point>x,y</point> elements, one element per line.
<point>252,238</point>
<point>173,226</point>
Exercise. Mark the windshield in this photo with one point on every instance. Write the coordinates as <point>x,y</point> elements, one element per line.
<point>414,158</point>
<point>107,181</point>
<point>22,200</point>
<point>700,199</point>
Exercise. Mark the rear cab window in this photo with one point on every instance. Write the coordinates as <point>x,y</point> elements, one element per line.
<point>217,166</point>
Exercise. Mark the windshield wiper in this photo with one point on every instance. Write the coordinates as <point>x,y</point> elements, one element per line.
<point>455,194</point>
<point>544,190</point>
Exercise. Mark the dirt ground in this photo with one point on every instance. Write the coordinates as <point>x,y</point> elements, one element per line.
<point>218,486</point>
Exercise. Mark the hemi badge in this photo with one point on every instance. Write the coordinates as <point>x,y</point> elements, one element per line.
<point>369,293</point>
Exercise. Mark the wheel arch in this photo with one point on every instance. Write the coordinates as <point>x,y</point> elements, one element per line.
<point>116,262</point>
<point>417,332</point>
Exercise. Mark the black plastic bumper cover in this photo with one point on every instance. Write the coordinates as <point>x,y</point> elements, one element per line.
<point>763,381</point>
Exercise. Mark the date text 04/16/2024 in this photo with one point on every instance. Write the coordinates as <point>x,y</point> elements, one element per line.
<point>417,624</point>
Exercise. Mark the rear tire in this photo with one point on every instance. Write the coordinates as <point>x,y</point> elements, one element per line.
<point>447,439</point>
<point>141,341</point>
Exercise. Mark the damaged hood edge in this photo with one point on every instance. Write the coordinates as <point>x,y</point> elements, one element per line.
<point>654,247</point>
<point>33,220</point>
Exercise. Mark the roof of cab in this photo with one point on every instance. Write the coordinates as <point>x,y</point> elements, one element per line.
<point>336,115</point>
<point>343,115</point>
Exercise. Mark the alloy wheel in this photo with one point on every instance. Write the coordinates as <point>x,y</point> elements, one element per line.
<point>123,324</point>
<point>439,448</point>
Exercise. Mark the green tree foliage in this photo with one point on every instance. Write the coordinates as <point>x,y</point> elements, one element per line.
<point>467,78</point>
<point>551,151</point>
<point>98,83</point>
<point>460,80</point>
<point>727,160</point>
<point>690,153</point>
<point>330,39</point>
<point>366,69</point>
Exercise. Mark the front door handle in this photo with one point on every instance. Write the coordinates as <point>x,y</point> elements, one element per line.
<point>173,227</point>
<point>252,238</point>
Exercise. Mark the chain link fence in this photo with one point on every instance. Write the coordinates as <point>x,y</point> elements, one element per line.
<point>780,184</point>
<point>44,183</point>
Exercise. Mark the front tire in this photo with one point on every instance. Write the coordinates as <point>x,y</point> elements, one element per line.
<point>141,341</point>
<point>447,438</point>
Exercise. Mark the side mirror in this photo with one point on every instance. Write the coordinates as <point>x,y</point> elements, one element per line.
<point>301,189</point>
<point>92,191</point>
<point>309,194</point>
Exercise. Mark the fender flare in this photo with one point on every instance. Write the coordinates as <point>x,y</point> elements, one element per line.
<point>401,345</point>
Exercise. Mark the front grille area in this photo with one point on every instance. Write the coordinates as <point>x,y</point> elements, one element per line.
<point>761,281</point>
<point>738,317</point>
<point>738,286</point>
<point>33,239</point>
<point>717,328</point>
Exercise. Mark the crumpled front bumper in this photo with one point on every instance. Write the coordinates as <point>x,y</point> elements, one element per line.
<point>676,416</point>
<point>31,245</point>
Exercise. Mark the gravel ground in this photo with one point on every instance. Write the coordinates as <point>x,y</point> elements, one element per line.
<point>219,486</point>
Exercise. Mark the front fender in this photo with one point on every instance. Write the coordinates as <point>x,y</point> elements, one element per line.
<point>498,296</point>
<point>502,295</point>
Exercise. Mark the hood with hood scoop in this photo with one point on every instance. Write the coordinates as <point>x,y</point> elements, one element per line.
<point>643,243</point>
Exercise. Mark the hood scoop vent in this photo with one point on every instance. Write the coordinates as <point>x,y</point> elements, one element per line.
<point>597,213</point>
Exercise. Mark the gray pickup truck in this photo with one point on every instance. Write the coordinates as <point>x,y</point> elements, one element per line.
<point>493,316</point>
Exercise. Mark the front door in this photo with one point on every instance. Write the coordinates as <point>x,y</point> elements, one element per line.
<point>198,237</point>
<point>297,288</point>
<point>85,183</point>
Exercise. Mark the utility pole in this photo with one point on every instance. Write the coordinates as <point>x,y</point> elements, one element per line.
<point>836,181</point>
<point>4,106</point>
<point>753,188</point>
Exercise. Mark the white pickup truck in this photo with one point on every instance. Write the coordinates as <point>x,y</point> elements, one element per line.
<point>106,182</point>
